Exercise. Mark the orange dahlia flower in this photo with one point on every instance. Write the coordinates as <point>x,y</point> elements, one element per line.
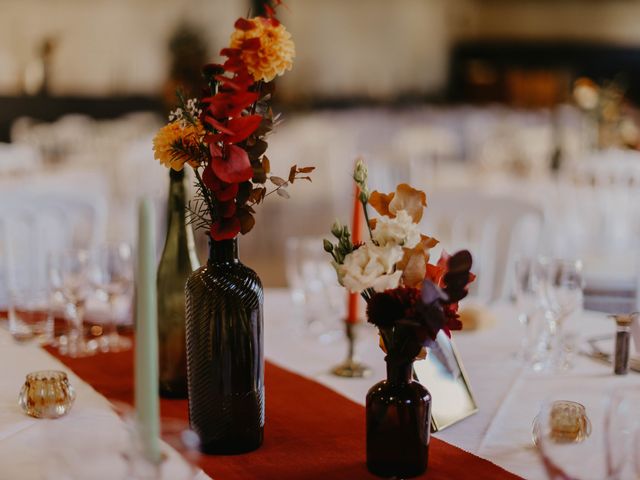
<point>173,142</point>
<point>275,53</point>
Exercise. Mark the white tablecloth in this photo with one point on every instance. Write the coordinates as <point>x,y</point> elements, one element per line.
<point>86,444</point>
<point>508,396</point>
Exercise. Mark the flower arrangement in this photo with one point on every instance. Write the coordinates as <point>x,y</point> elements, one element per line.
<point>222,135</point>
<point>609,110</point>
<point>409,299</point>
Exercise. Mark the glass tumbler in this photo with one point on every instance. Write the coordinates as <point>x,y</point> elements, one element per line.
<point>29,316</point>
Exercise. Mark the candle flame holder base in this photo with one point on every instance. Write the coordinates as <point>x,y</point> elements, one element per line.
<point>351,368</point>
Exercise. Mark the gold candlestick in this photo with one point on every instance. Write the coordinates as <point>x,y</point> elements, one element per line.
<point>351,368</point>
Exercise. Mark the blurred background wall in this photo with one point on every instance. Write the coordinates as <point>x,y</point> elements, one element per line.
<point>104,47</point>
<point>115,47</point>
<point>467,94</point>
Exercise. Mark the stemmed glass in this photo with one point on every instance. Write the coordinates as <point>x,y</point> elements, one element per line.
<point>596,439</point>
<point>570,447</point>
<point>73,269</point>
<point>566,285</point>
<point>559,287</point>
<point>117,453</point>
<point>175,465</point>
<point>112,276</point>
<point>527,303</point>
<point>623,433</point>
<point>314,288</point>
<point>293,261</point>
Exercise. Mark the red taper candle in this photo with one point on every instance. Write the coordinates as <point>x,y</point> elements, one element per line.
<point>356,237</point>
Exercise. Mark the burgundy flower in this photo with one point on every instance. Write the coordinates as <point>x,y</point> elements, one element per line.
<point>384,309</point>
<point>458,276</point>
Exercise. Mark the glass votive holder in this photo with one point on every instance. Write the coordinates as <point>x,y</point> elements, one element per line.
<point>46,394</point>
<point>569,422</point>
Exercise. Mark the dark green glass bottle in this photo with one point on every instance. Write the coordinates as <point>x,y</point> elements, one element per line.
<point>225,353</point>
<point>176,264</point>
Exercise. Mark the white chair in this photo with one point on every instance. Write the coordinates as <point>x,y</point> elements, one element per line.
<point>496,230</point>
<point>18,159</point>
<point>34,226</point>
<point>426,148</point>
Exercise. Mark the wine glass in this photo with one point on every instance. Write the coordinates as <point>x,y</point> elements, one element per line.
<point>178,462</point>
<point>527,303</point>
<point>74,274</point>
<point>117,452</point>
<point>112,276</point>
<point>571,440</point>
<point>623,433</point>
<point>315,291</point>
<point>293,260</point>
<point>566,286</point>
<point>559,285</point>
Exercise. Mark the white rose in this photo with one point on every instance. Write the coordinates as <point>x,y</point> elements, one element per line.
<point>371,266</point>
<point>386,282</point>
<point>396,231</point>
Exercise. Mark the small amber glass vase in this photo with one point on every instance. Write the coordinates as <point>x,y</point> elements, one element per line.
<point>398,424</point>
<point>46,394</point>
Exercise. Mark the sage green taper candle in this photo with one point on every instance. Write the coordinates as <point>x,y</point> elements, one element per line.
<point>146,366</point>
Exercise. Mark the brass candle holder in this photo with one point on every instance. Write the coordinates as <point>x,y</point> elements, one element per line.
<point>351,368</point>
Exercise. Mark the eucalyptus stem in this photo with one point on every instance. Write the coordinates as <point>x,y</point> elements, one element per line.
<point>204,191</point>
<point>259,92</point>
<point>284,185</point>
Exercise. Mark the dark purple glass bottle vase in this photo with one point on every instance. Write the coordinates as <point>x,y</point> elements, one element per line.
<point>225,360</point>
<point>398,424</point>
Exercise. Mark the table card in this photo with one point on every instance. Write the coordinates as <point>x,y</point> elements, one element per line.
<point>443,374</point>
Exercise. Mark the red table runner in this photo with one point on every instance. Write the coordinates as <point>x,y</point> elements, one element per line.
<point>311,432</point>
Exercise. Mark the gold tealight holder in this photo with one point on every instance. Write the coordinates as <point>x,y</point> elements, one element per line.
<point>567,422</point>
<point>46,394</point>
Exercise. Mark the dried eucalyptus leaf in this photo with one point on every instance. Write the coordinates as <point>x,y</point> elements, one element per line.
<point>246,221</point>
<point>256,150</point>
<point>257,194</point>
<point>243,193</point>
<point>283,193</point>
<point>277,181</point>
<point>259,175</point>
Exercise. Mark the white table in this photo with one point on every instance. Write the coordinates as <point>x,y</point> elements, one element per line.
<point>86,444</point>
<point>508,396</point>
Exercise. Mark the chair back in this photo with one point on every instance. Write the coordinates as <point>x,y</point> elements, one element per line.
<point>35,226</point>
<point>496,230</point>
